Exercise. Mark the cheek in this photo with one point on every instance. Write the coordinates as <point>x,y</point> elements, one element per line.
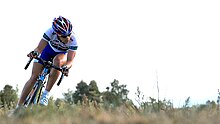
<point>68,38</point>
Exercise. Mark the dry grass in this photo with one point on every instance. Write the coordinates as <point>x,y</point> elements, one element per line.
<point>122,115</point>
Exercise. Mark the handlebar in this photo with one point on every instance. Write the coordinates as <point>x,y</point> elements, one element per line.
<point>34,53</point>
<point>47,64</point>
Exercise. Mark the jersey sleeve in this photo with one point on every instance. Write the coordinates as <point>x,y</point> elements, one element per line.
<point>48,34</point>
<point>73,44</point>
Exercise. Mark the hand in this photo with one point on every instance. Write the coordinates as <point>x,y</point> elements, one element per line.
<point>65,70</point>
<point>33,54</point>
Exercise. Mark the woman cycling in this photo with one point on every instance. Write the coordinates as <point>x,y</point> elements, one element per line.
<point>58,45</point>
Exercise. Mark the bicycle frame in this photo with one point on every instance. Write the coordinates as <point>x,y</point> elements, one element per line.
<point>35,93</point>
<point>41,81</point>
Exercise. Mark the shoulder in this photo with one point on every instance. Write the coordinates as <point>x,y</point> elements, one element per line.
<point>48,34</point>
<point>73,42</point>
<point>73,39</point>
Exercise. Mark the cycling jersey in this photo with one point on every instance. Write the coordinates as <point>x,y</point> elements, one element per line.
<point>56,44</point>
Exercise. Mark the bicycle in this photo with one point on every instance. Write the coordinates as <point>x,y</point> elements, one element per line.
<point>34,95</point>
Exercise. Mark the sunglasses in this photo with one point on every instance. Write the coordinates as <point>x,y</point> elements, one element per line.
<point>65,36</point>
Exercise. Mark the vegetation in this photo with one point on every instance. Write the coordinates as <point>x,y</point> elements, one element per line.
<point>8,97</point>
<point>87,105</point>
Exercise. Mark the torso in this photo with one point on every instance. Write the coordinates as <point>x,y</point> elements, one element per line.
<point>56,44</point>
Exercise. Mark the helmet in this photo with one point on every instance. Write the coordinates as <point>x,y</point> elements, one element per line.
<point>62,26</point>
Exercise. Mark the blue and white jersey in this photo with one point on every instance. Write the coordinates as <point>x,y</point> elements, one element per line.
<point>56,44</point>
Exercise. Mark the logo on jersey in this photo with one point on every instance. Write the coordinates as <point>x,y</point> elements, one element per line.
<point>59,45</point>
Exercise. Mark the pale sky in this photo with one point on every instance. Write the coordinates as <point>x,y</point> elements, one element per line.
<point>127,40</point>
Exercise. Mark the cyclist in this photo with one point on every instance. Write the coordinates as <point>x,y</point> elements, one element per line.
<point>58,45</point>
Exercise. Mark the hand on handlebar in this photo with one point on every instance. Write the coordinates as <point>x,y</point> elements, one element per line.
<point>65,70</point>
<point>33,54</point>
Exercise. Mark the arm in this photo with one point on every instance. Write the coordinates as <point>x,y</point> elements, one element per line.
<point>42,44</point>
<point>70,57</point>
<point>39,48</point>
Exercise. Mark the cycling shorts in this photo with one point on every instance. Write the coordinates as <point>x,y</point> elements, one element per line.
<point>48,54</point>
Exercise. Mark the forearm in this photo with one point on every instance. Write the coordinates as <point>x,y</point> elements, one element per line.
<point>70,58</point>
<point>41,46</point>
<point>69,64</point>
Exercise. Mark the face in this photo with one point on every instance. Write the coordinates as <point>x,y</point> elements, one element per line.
<point>64,39</point>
